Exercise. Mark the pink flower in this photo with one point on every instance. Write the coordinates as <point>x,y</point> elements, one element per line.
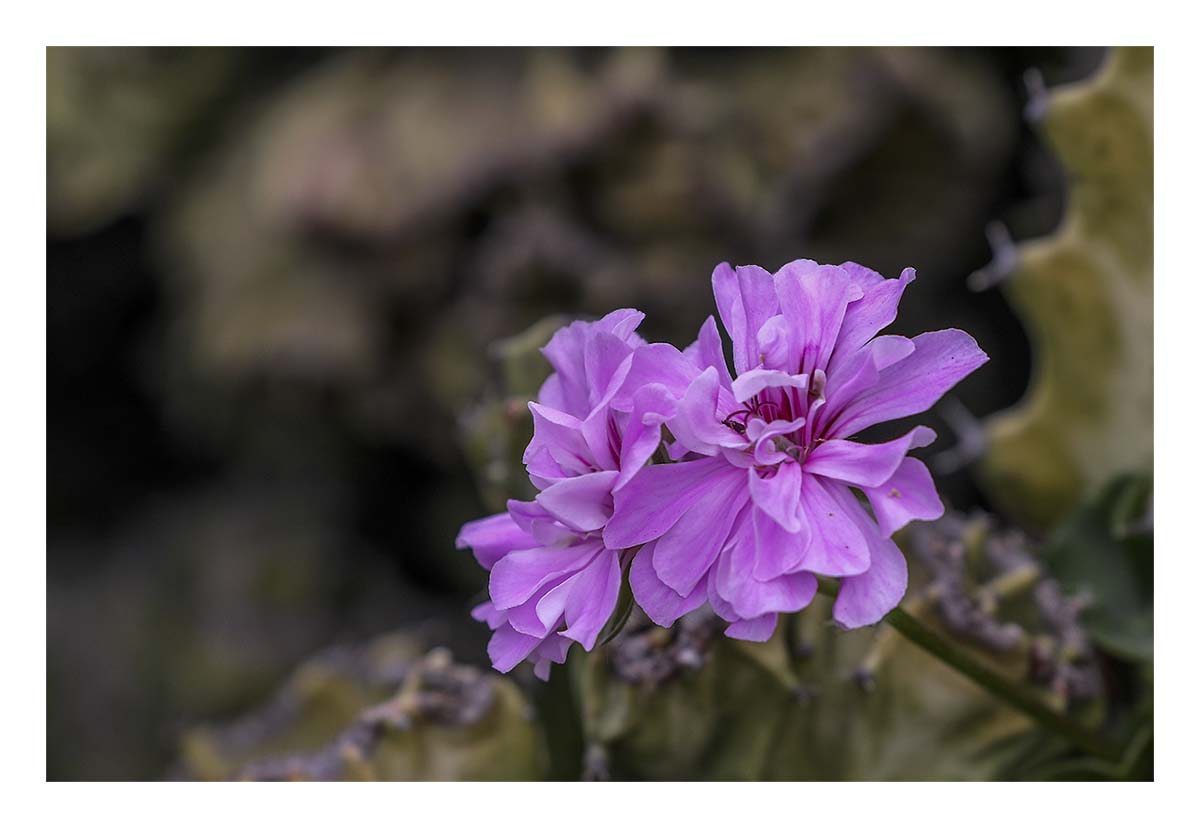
<point>761,499</point>
<point>553,580</point>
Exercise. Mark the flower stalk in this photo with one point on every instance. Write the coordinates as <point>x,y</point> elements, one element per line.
<point>1020,696</point>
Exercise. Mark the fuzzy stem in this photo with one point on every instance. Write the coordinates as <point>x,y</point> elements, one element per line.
<point>1020,696</point>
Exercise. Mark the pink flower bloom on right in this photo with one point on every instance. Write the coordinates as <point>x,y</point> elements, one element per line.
<point>761,498</point>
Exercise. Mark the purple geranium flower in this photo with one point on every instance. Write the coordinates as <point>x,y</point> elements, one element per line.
<point>761,500</point>
<point>553,580</point>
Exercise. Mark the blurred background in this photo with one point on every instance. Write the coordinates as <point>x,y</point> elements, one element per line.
<point>278,277</point>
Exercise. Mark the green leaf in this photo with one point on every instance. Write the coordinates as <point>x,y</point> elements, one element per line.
<point>1104,551</point>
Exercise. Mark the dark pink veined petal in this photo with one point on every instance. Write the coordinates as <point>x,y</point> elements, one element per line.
<point>652,406</point>
<point>706,352</point>
<point>939,361</point>
<point>688,549</point>
<point>697,424</point>
<point>657,497</point>
<point>838,547</point>
<point>518,575</point>
<point>864,464</point>
<point>583,502</point>
<point>491,538</point>
<point>750,597</point>
<point>778,493</point>
<point>755,380</point>
<point>508,648</point>
<point>907,496</point>
<point>663,605</point>
<point>745,300</point>
<point>753,629</point>
<point>813,299</point>
<point>864,599</point>
<point>778,551</point>
<point>870,314</point>
<point>592,599</point>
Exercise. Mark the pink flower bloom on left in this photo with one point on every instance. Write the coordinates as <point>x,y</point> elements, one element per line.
<point>553,581</point>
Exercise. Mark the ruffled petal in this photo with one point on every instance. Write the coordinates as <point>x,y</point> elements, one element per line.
<point>697,424</point>
<point>508,648</point>
<point>939,361</point>
<point>745,300</point>
<point>491,538</point>
<point>583,502</point>
<point>778,493</point>
<point>688,549</point>
<point>518,575</point>
<point>838,547</point>
<point>753,629</point>
<point>652,406</point>
<point>750,597</point>
<point>907,496</point>
<point>655,364</point>
<point>864,464</point>
<point>592,599</point>
<point>813,299</point>
<point>663,605</point>
<point>706,352</point>
<point>864,599</point>
<point>755,380</point>
<point>777,551</point>
<point>560,434</point>
<point>870,314</point>
<point>657,497</point>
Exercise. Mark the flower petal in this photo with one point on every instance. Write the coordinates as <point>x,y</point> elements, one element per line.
<point>813,299</point>
<point>706,352</point>
<point>656,498</point>
<point>508,648</point>
<point>838,547</point>
<point>696,424</point>
<point>753,629</point>
<point>864,599</point>
<point>778,494</point>
<point>518,575</point>
<point>652,406</point>
<point>583,502</point>
<point>750,597</point>
<point>745,300</point>
<point>870,314</point>
<point>491,538</point>
<point>939,361</point>
<point>907,495</point>
<point>753,382</point>
<point>663,605</point>
<point>592,599</point>
<point>864,464</point>
<point>688,549</point>
<point>777,551</point>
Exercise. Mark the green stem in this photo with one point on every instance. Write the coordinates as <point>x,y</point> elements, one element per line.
<point>1020,696</point>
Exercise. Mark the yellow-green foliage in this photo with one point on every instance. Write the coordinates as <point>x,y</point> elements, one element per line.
<point>1085,294</point>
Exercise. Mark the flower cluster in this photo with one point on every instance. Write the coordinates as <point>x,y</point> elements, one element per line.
<point>751,494</point>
